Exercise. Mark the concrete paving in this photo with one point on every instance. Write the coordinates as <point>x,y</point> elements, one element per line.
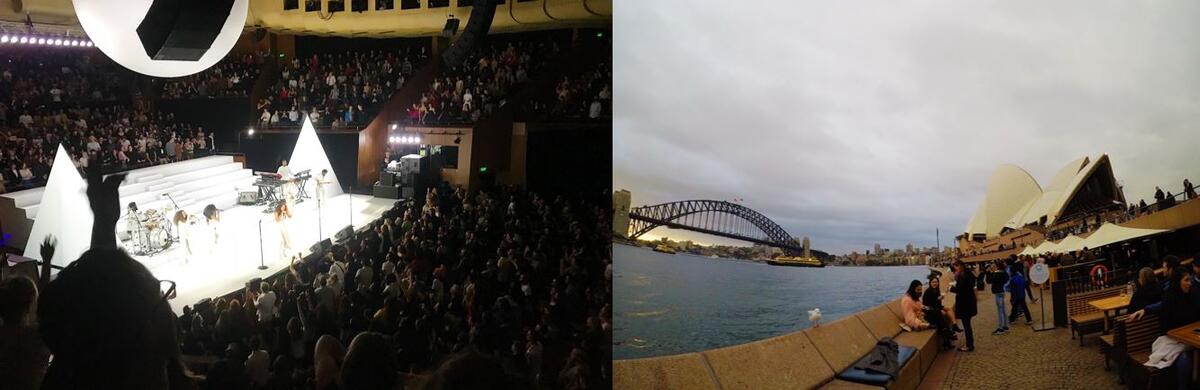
<point>1022,359</point>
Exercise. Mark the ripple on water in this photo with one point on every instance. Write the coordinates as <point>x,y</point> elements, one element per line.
<point>650,313</point>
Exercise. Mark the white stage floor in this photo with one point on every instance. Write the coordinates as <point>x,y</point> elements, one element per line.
<point>235,259</point>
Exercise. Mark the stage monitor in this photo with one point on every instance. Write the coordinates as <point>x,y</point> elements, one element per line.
<point>344,234</point>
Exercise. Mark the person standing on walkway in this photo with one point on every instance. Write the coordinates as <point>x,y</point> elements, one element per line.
<point>998,279</point>
<point>964,302</point>
<point>1017,289</point>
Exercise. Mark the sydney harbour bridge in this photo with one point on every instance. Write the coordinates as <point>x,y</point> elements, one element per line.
<point>715,217</point>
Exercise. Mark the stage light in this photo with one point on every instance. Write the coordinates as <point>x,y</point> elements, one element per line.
<point>250,132</point>
<point>4,39</point>
<point>416,139</point>
<point>57,42</point>
<point>393,126</point>
<point>41,41</point>
<point>111,26</point>
<point>24,39</point>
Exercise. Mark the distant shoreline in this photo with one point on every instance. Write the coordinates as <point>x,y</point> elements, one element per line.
<point>628,244</point>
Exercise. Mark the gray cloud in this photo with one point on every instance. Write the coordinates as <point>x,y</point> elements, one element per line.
<point>855,123</point>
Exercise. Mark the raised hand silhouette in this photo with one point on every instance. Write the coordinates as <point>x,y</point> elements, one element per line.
<point>47,254</point>
<point>106,205</point>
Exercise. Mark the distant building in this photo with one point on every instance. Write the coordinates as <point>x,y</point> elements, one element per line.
<point>908,249</point>
<point>878,252</point>
<point>621,202</point>
<point>806,247</point>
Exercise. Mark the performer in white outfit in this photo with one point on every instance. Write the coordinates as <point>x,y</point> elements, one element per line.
<point>322,181</point>
<point>283,214</point>
<point>288,188</point>
<point>212,220</point>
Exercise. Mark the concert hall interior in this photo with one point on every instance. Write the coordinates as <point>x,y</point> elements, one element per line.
<point>283,186</point>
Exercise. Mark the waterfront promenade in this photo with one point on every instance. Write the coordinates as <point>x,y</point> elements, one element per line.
<point>1022,359</point>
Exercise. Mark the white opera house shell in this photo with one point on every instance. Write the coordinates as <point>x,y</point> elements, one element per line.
<point>1014,199</point>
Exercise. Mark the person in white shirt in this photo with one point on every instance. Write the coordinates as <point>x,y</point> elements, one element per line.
<point>25,119</point>
<point>322,181</point>
<point>265,304</point>
<point>275,118</point>
<point>594,111</point>
<point>365,277</point>
<point>293,115</point>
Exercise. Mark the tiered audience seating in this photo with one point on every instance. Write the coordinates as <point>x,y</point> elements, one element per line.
<point>232,77</point>
<point>338,89</point>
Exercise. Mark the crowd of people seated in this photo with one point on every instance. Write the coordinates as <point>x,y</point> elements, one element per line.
<point>80,101</point>
<point>587,95</point>
<point>497,289</point>
<point>34,80</point>
<point>121,137</point>
<point>232,76</point>
<point>339,89</point>
<point>477,87</point>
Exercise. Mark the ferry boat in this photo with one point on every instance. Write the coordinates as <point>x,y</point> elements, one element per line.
<point>664,249</point>
<point>796,261</point>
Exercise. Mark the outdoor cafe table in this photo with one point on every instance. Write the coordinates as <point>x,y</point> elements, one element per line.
<point>1112,304</point>
<point>1184,334</point>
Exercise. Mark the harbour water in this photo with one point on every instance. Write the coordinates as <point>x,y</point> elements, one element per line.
<point>670,304</point>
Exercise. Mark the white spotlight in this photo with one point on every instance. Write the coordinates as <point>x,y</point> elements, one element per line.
<point>24,39</point>
<point>393,126</point>
<point>41,41</point>
<point>58,42</point>
<point>4,39</point>
<point>250,132</point>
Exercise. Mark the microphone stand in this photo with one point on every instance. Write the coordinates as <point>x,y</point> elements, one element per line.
<point>172,217</point>
<point>261,256</point>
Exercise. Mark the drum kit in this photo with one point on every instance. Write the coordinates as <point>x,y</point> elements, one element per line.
<point>150,231</point>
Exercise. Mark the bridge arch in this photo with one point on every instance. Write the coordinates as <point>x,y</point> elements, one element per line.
<point>705,219</point>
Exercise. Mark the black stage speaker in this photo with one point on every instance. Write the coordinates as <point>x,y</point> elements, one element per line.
<point>321,246</point>
<point>387,192</point>
<point>477,28</point>
<point>182,30</point>
<point>344,234</point>
<point>451,28</point>
<point>387,178</point>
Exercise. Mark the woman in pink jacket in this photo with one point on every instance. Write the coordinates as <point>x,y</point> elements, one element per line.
<point>914,311</point>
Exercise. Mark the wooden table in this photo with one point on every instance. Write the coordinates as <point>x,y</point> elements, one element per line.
<point>1112,304</point>
<point>1184,334</point>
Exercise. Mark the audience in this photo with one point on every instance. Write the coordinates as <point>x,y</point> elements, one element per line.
<point>478,86</point>
<point>233,76</point>
<point>342,89</point>
<point>505,284</point>
<point>120,136</point>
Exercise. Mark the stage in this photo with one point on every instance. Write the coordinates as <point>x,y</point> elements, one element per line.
<point>235,258</point>
<point>210,270</point>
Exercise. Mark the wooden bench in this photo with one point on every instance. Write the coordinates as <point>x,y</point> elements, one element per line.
<point>1131,347</point>
<point>1084,318</point>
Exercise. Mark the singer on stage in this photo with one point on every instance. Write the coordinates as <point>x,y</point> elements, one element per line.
<point>283,215</point>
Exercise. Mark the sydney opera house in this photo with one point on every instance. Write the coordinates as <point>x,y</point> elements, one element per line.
<point>1083,206</point>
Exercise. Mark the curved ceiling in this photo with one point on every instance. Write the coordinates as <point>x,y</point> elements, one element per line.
<point>512,16</point>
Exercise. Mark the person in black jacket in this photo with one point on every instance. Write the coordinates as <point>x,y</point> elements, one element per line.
<point>997,278</point>
<point>938,316</point>
<point>1146,290</point>
<point>964,304</point>
<point>1177,309</point>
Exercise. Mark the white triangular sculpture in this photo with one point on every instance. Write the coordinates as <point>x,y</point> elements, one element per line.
<point>64,213</point>
<point>309,154</point>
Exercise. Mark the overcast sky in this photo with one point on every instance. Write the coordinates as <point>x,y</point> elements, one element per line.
<point>861,122</point>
